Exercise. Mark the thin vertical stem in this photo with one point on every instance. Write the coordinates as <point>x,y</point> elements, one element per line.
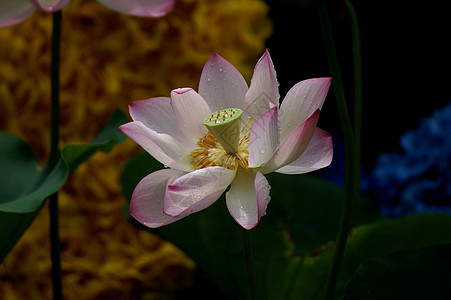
<point>54,153</point>
<point>349,193</point>
<point>357,57</point>
<point>249,259</point>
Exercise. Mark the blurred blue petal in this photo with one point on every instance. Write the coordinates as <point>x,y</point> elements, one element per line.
<point>418,180</point>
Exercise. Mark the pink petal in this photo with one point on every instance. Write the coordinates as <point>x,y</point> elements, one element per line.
<point>247,198</point>
<point>264,89</point>
<point>264,138</point>
<point>301,101</point>
<point>262,188</point>
<point>163,147</point>
<point>196,190</point>
<point>317,155</point>
<point>158,115</point>
<point>190,110</point>
<point>155,113</point>
<point>221,85</point>
<point>50,5</point>
<point>141,8</point>
<point>293,146</point>
<point>146,204</point>
<point>14,11</point>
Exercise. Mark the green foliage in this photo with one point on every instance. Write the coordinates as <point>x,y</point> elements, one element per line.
<point>293,244</point>
<point>422,273</point>
<point>24,185</point>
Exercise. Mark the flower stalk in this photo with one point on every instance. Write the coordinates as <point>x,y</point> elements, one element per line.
<point>249,259</point>
<point>357,61</point>
<point>54,155</point>
<point>351,181</point>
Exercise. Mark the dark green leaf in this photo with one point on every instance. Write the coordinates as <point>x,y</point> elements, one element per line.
<point>370,241</point>
<point>37,191</point>
<point>18,166</point>
<point>422,273</point>
<point>12,227</point>
<point>23,188</point>
<point>310,207</point>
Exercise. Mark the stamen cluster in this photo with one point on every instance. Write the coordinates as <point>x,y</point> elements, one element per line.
<point>210,152</point>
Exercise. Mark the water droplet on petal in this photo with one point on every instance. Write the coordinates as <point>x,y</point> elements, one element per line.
<point>262,151</point>
<point>220,69</point>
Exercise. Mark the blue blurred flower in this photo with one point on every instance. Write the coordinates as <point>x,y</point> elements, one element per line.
<point>418,180</point>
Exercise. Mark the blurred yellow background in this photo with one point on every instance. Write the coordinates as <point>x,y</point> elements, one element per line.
<point>108,60</point>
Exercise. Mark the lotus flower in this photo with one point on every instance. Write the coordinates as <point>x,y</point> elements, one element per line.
<point>15,11</point>
<point>226,134</point>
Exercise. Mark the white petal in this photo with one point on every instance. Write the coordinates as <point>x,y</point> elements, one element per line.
<point>262,188</point>
<point>264,138</point>
<point>301,101</point>
<point>163,147</point>
<point>190,109</point>
<point>158,115</point>
<point>317,155</point>
<point>222,85</point>
<point>14,11</point>
<point>264,89</point>
<point>155,113</point>
<point>293,146</point>
<point>196,190</point>
<point>247,198</point>
<point>146,204</point>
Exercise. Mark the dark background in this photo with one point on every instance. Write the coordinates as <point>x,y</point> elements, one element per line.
<point>406,62</point>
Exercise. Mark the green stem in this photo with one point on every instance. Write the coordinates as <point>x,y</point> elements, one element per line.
<point>54,156</point>
<point>351,184</point>
<point>249,259</point>
<point>357,56</point>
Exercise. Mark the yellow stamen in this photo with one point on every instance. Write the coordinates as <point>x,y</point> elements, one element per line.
<point>210,152</point>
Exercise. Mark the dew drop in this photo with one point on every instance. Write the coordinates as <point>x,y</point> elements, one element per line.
<point>262,151</point>
<point>220,69</point>
<point>209,79</point>
<point>218,122</point>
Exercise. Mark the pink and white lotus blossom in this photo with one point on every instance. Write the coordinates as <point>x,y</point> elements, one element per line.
<point>15,11</point>
<point>226,134</point>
